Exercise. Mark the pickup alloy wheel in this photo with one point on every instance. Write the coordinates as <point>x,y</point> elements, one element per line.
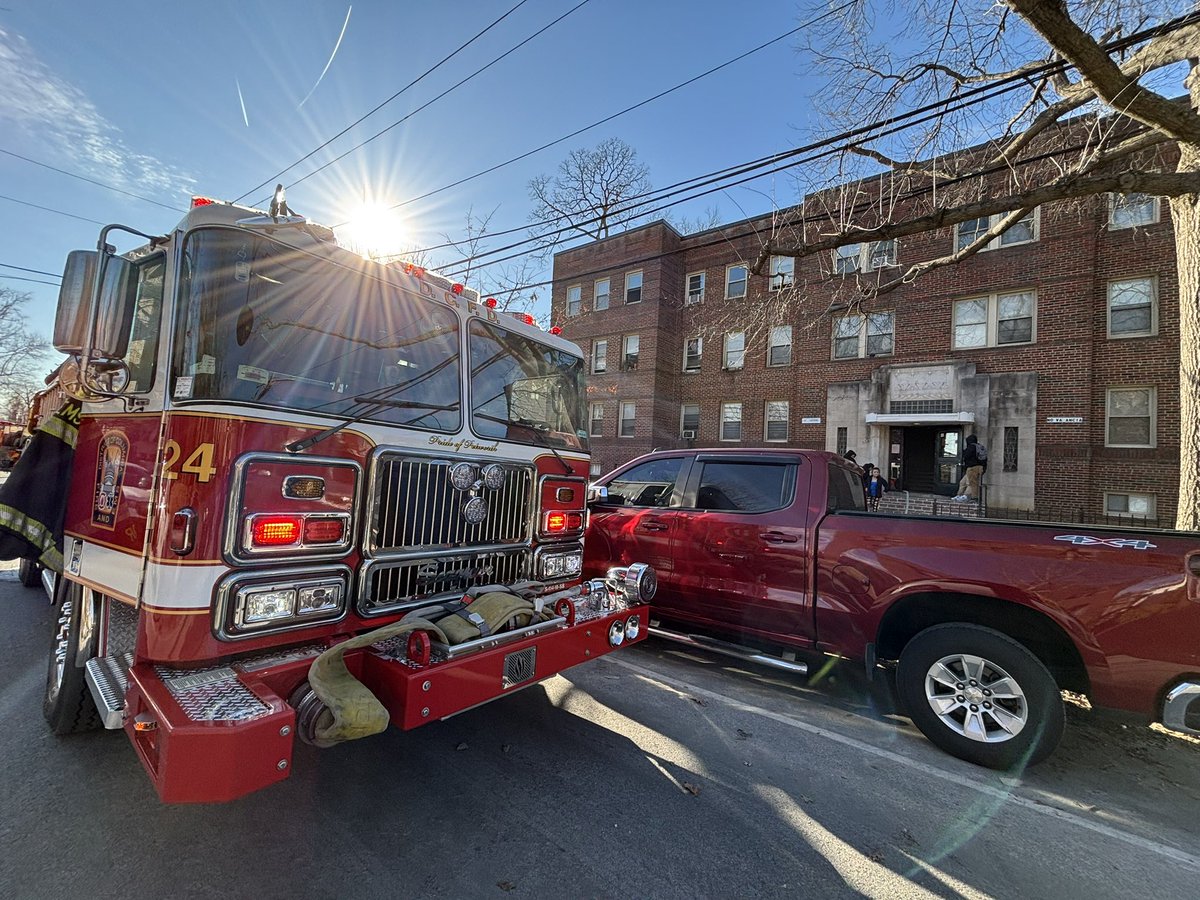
<point>981,696</point>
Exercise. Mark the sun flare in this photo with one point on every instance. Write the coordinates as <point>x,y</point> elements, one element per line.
<point>375,230</point>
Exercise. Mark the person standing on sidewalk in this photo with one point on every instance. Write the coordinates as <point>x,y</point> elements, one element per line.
<point>974,464</point>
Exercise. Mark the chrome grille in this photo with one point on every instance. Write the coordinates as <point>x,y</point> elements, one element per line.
<point>416,507</point>
<point>432,578</point>
<point>519,666</point>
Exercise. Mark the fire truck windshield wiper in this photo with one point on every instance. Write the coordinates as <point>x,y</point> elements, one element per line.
<point>374,404</point>
<point>539,432</point>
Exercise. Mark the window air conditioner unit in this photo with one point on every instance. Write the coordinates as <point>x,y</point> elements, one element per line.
<point>689,434</point>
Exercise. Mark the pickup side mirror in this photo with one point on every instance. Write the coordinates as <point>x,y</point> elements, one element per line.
<point>597,493</point>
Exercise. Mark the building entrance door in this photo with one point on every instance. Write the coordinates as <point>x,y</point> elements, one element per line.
<point>929,458</point>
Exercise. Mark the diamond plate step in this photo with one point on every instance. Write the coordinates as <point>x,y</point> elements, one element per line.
<point>108,679</point>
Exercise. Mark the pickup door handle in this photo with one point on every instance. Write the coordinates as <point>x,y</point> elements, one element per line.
<point>651,526</point>
<point>779,537</point>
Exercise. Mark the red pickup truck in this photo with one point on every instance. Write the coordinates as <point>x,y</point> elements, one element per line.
<point>772,553</point>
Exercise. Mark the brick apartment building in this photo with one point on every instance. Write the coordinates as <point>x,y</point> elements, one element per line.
<point>1058,346</point>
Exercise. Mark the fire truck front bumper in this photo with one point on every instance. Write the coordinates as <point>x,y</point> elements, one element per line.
<point>215,734</point>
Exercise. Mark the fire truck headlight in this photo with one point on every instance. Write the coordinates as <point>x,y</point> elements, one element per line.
<point>318,598</point>
<point>463,476</point>
<point>259,606</point>
<point>554,566</point>
<point>493,476</point>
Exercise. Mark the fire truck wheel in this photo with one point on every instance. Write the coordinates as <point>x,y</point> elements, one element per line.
<point>68,706</point>
<point>981,696</point>
<point>30,573</point>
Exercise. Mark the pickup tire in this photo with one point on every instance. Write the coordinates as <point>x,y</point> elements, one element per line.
<point>30,573</point>
<point>981,696</point>
<point>68,705</point>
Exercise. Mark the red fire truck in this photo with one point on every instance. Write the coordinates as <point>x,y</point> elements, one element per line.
<point>310,494</point>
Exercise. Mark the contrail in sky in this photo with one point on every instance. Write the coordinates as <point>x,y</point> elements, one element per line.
<point>242,101</point>
<point>331,56</point>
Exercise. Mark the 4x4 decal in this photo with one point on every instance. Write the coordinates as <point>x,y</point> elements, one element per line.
<point>1084,540</point>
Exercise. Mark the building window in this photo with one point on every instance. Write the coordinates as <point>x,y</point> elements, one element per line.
<point>597,418</point>
<point>1130,417</point>
<point>779,346</point>
<point>783,270</point>
<point>628,414</point>
<point>629,352</point>
<point>1132,308</point>
<point>735,349</point>
<point>1131,210</point>
<point>850,259</point>
<point>995,320</point>
<point>871,335</point>
<point>574,297</point>
<point>693,349</point>
<point>633,287</point>
<point>595,469</point>
<point>695,288</point>
<point>1010,449</point>
<point>843,442</point>
<point>1140,506</point>
<point>731,421</point>
<point>689,421</point>
<point>1025,231</point>
<point>777,415</point>
<point>735,282</point>
<point>600,296</point>
<point>599,357</point>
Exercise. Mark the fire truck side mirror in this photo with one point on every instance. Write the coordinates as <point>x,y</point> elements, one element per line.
<point>114,312</point>
<point>74,301</point>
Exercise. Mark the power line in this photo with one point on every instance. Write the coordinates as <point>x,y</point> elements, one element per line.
<point>448,90</point>
<point>33,271</point>
<point>108,187</point>
<point>359,120</point>
<point>628,109</point>
<point>32,280</point>
<point>975,96</point>
<point>52,210</point>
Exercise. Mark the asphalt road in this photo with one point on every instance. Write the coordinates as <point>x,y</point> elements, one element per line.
<point>653,773</point>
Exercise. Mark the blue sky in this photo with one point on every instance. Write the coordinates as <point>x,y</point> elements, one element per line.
<point>145,97</point>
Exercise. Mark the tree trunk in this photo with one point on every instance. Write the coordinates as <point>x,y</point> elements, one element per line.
<point>1185,216</point>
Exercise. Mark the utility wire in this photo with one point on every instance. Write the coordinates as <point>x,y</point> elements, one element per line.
<point>107,187</point>
<point>628,109</point>
<point>359,120</point>
<point>32,280</point>
<point>958,102</point>
<point>33,271</point>
<point>51,209</point>
<point>448,90</point>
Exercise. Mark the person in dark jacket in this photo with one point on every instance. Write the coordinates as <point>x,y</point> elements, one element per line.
<point>974,463</point>
<point>876,486</point>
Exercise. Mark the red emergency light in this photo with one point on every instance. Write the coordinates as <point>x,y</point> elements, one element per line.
<point>456,288</point>
<point>490,302</point>
<point>202,201</point>
<point>555,330</point>
<point>275,531</point>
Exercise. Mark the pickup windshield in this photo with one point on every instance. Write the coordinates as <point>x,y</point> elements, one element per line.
<point>264,323</point>
<point>525,391</point>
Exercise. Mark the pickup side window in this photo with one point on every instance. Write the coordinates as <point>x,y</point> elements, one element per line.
<point>745,486</point>
<point>650,484</point>
<point>845,490</point>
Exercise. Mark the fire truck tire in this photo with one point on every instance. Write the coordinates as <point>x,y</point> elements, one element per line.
<point>68,705</point>
<point>981,696</point>
<point>30,573</point>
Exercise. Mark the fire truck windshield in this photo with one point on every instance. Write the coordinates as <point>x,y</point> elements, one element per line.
<point>525,391</point>
<point>260,322</point>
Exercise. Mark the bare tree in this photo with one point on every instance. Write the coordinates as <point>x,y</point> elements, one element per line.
<point>508,283</point>
<point>20,348</point>
<point>593,193</point>
<point>1083,116</point>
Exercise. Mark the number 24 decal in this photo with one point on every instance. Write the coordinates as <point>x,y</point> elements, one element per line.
<point>200,463</point>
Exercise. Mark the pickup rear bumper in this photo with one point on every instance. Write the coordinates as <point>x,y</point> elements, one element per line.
<point>215,734</point>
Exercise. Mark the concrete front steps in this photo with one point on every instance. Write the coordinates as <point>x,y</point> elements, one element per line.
<point>913,504</point>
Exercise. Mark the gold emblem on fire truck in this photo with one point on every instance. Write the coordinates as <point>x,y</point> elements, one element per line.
<point>110,475</point>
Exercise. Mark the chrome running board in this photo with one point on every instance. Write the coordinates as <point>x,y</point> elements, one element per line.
<point>1176,705</point>
<point>743,653</point>
<point>108,679</point>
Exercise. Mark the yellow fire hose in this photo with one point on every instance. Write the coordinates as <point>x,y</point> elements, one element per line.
<point>351,710</point>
